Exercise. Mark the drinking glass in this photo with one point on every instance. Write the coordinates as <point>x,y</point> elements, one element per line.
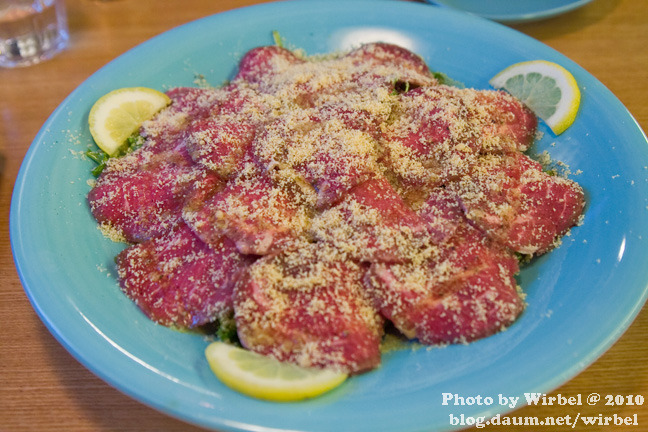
<point>31,31</point>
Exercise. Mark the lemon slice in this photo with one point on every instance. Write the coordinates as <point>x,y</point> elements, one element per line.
<point>547,88</point>
<point>118,114</point>
<point>267,378</point>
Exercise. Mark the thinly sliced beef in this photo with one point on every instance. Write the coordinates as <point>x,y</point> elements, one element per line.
<point>141,195</point>
<point>333,172</point>
<point>514,202</point>
<point>423,144</point>
<point>406,66</point>
<point>166,131</point>
<point>322,150</point>
<point>194,102</point>
<point>139,200</point>
<point>308,306</point>
<point>372,223</point>
<point>507,124</point>
<point>464,292</point>
<point>259,64</point>
<point>351,118</point>
<point>177,280</point>
<point>442,215</point>
<point>317,197</point>
<point>436,133</point>
<point>219,143</point>
<point>259,215</point>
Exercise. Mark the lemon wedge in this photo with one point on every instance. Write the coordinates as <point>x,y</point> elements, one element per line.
<point>547,88</point>
<point>266,378</point>
<point>117,115</point>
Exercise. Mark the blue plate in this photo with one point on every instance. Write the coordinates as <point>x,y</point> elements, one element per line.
<point>66,265</point>
<point>513,11</point>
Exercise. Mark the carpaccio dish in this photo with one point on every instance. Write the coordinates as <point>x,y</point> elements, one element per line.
<point>314,200</point>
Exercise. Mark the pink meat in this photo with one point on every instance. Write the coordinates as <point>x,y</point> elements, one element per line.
<point>442,215</point>
<point>411,68</point>
<point>358,84</point>
<point>140,200</point>
<point>260,64</point>
<point>510,125</point>
<point>257,214</point>
<point>166,131</point>
<point>372,223</point>
<point>437,132</point>
<point>423,147</point>
<point>331,163</point>
<point>465,292</point>
<point>177,280</point>
<point>360,120</point>
<point>315,199</point>
<point>242,102</point>
<point>334,174</point>
<point>514,202</point>
<point>219,144</point>
<point>308,308</point>
<point>194,102</point>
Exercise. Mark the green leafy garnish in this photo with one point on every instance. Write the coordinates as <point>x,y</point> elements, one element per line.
<point>400,87</point>
<point>133,142</point>
<point>100,157</point>
<point>277,38</point>
<point>446,80</point>
<point>523,259</point>
<point>227,330</point>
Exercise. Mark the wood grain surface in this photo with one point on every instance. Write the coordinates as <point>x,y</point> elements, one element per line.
<point>43,388</point>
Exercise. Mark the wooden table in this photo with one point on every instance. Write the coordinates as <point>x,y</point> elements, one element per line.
<point>43,388</point>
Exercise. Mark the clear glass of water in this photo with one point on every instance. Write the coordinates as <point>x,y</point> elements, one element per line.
<point>31,31</point>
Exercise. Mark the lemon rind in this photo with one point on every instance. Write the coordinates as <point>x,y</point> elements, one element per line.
<point>565,113</point>
<point>105,104</point>
<point>317,382</point>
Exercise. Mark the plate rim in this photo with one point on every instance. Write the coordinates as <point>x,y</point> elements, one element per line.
<point>520,17</point>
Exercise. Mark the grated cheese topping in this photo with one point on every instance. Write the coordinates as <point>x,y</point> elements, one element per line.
<point>325,168</point>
